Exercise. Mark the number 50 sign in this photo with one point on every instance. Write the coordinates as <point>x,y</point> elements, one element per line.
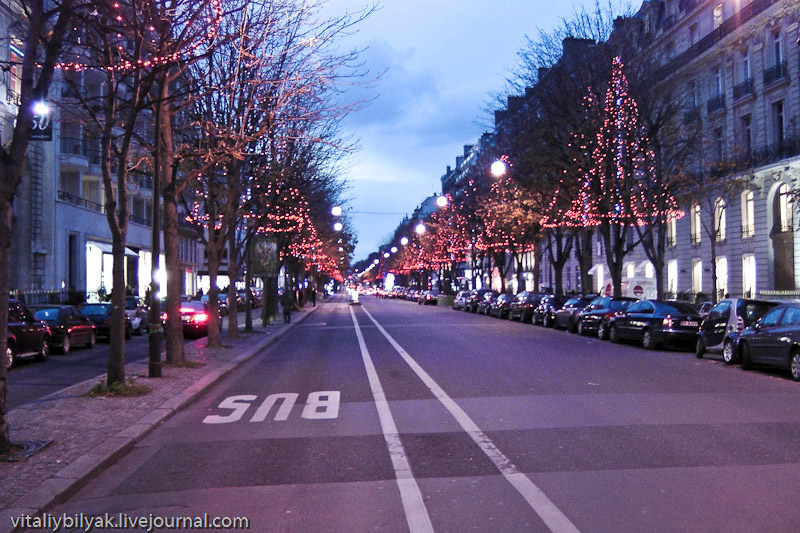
<point>42,125</point>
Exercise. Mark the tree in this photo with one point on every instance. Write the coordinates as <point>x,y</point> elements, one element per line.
<point>43,28</point>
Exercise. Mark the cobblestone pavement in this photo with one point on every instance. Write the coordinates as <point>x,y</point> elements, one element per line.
<point>88,434</point>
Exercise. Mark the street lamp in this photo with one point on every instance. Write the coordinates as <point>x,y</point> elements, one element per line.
<point>404,241</point>
<point>386,255</point>
<point>394,249</point>
<point>336,211</point>
<point>498,168</point>
<point>441,201</point>
<point>338,226</point>
<point>420,229</point>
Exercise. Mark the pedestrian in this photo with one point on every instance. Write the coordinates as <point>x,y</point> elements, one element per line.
<point>300,298</point>
<point>313,297</point>
<point>287,304</point>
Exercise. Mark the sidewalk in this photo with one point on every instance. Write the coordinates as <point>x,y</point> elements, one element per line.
<point>89,434</point>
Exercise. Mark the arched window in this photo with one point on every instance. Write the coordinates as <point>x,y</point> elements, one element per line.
<point>783,216</point>
<point>697,226</point>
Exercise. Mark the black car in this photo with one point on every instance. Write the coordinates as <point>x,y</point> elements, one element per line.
<point>477,296</point>
<point>728,316</point>
<point>27,337</point>
<point>100,315</point>
<point>545,311</point>
<point>428,297</point>
<point>194,317</point>
<point>68,327</point>
<point>595,317</point>
<point>567,316</point>
<point>653,322</point>
<point>462,300</point>
<point>486,302</point>
<point>774,340</point>
<point>523,305</point>
<point>501,306</point>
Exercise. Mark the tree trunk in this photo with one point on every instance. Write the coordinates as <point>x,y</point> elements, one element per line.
<point>214,257</point>
<point>116,340</point>
<point>233,269</point>
<point>6,225</point>
<point>173,331</point>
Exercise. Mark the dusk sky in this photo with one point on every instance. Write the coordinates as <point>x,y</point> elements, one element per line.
<point>442,63</point>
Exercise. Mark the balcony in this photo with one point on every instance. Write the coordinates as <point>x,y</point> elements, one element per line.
<point>696,237</point>
<point>715,104</point>
<point>775,73</point>
<point>73,154</point>
<point>748,231</point>
<point>743,89</point>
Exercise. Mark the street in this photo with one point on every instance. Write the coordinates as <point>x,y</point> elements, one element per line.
<point>395,417</point>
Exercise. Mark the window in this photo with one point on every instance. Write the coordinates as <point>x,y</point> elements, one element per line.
<point>631,270</point>
<point>672,276</point>
<point>696,224</point>
<point>778,126</point>
<point>672,232</point>
<point>771,318</point>
<point>649,270</point>
<point>784,209</point>
<point>777,48</point>
<point>722,276</point>
<point>717,14</point>
<point>744,62</point>
<point>692,94</point>
<point>719,145</point>
<point>719,219</point>
<point>15,57</point>
<point>791,316</point>
<point>749,275</point>
<point>717,88</point>
<point>748,214</point>
<point>697,276</point>
<point>692,34</point>
<point>721,310</point>
<point>746,127</point>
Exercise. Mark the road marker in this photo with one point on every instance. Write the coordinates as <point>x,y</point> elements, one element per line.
<point>538,500</point>
<point>413,504</point>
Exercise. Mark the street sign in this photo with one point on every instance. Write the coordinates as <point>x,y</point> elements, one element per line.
<point>42,127</point>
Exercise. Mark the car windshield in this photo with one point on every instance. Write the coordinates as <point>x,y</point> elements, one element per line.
<point>94,310</point>
<point>131,303</point>
<point>194,305</point>
<point>49,315</point>
<point>677,308</point>
<point>750,311</point>
<point>619,305</point>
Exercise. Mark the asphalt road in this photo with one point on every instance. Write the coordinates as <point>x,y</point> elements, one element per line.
<point>395,417</point>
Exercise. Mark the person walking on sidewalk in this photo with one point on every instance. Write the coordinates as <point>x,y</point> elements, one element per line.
<point>313,297</point>
<point>287,304</point>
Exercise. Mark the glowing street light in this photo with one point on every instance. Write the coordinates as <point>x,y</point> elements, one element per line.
<point>41,108</point>
<point>338,226</point>
<point>420,229</point>
<point>498,168</point>
<point>375,262</point>
<point>404,241</point>
<point>441,201</point>
<point>336,211</point>
<point>394,249</point>
<point>386,255</point>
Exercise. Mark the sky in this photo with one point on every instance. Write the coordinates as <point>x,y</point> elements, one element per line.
<point>441,62</point>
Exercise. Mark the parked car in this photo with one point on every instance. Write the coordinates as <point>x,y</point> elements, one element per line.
<point>27,337</point>
<point>567,316</point>
<point>654,322</point>
<point>728,316</point>
<point>500,306</point>
<point>595,317</point>
<point>486,302</point>
<point>137,313</point>
<point>462,301</point>
<point>428,297</point>
<point>774,340</point>
<point>477,296</point>
<point>703,308</point>
<point>544,313</point>
<point>194,317</point>
<point>397,291</point>
<point>523,304</point>
<point>68,327</point>
<point>222,300</point>
<point>100,315</point>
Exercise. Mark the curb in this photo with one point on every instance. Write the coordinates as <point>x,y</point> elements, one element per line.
<point>67,481</point>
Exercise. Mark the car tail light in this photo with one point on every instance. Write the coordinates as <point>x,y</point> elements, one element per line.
<point>610,314</point>
<point>200,318</point>
<point>668,322</point>
<point>186,309</point>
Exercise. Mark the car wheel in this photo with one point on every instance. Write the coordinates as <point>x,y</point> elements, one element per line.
<point>66,345</point>
<point>728,352</point>
<point>581,330</point>
<point>745,355</point>
<point>648,341</point>
<point>547,321</point>
<point>613,334</point>
<point>92,340</point>
<point>9,362</point>
<point>573,328</point>
<point>44,350</point>
<point>699,348</point>
<point>794,364</point>
<point>602,332</point>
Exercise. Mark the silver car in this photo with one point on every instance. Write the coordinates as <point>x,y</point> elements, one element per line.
<point>731,315</point>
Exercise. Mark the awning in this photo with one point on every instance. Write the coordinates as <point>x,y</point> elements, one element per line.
<point>106,248</point>
<point>595,268</point>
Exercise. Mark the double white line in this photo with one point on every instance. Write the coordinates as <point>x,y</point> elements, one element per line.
<point>416,513</point>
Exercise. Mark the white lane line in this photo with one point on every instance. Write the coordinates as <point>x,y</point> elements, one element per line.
<point>538,500</point>
<point>413,504</point>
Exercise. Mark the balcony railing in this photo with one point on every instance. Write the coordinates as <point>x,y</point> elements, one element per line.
<point>775,73</point>
<point>72,146</point>
<point>696,237</point>
<point>743,89</point>
<point>768,154</point>
<point>747,231</point>
<point>715,104</point>
<point>80,202</point>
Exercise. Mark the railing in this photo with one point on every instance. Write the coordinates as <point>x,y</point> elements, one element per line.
<point>80,202</point>
<point>743,89</point>
<point>696,237</point>
<point>768,154</point>
<point>72,146</point>
<point>747,231</point>
<point>43,297</point>
<point>775,73</point>
<point>716,103</point>
<point>785,226</point>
